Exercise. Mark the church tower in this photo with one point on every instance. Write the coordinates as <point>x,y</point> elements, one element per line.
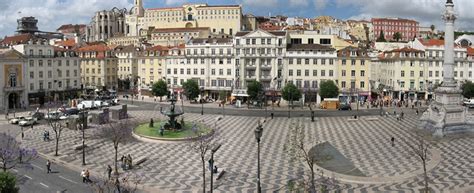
<point>138,9</point>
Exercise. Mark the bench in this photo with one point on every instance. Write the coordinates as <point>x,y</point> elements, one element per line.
<point>220,173</point>
<point>79,147</point>
<point>140,160</point>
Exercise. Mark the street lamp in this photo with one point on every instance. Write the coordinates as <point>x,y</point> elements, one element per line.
<point>83,127</point>
<point>202,101</point>
<point>258,135</point>
<point>211,164</point>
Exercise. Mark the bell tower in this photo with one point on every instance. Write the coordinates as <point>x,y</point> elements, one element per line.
<point>138,8</point>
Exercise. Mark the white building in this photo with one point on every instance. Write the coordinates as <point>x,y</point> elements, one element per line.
<point>53,73</point>
<point>210,61</point>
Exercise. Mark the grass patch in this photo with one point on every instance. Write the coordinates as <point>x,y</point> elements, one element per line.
<point>145,130</point>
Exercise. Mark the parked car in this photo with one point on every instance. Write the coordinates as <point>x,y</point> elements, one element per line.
<point>344,106</point>
<point>38,115</point>
<point>85,105</point>
<point>469,103</point>
<point>16,120</point>
<point>53,115</point>
<point>71,111</point>
<point>27,121</point>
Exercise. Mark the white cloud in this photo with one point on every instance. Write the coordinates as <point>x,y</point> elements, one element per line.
<point>320,4</point>
<point>260,3</point>
<point>298,3</point>
<point>53,13</point>
<point>175,2</point>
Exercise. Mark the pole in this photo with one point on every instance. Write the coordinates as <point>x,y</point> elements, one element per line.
<point>212,171</point>
<point>202,103</point>
<point>259,189</point>
<point>83,139</point>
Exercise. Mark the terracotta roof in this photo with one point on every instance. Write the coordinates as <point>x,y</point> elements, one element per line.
<point>470,51</point>
<point>70,26</point>
<point>393,19</point>
<point>275,33</point>
<point>157,48</point>
<point>128,48</point>
<point>406,49</point>
<point>66,43</point>
<point>432,42</point>
<point>308,47</point>
<point>168,30</point>
<point>17,39</point>
<point>94,48</point>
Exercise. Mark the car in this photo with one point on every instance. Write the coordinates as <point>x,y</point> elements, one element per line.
<point>38,115</point>
<point>16,120</point>
<point>344,106</point>
<point>53,115</point>
<point>71,111</point>
<point>469,103</point>
<point>27,121</point>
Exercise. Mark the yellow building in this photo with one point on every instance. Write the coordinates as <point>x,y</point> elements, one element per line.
<point>354,73</point>
<point>151,67</point>
<point>313,37</point>
<point>13,90</point>
<point>98,66</point>
<point>225,19</point>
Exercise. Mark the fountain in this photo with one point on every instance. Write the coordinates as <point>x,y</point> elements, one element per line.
<point>172,114</point>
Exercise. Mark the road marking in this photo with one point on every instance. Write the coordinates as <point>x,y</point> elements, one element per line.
<point>68,179</point>
<point>37,166</point>
<point>28,177</point>
<point>44,185</point>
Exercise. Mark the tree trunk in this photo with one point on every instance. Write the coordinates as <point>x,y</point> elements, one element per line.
<point>426,177</point>
<point>161,97</point>
<point>115,160</point>
<point>203,175</point>
<point>57,146</point>
<point>313,186</point>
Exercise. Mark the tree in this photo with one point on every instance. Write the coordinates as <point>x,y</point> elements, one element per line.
<point>254,90</point>
<point>12,154</point>
<point>191,89</point>
<point>420,148</point>
<point>119,132</point>
<point>327,89</point>
<point>299,147</point>
<point>202,143</point>
<point>160,89</point>
<point>8,183</point>
<point>397,36</point>
<point>56,124</point>
<point>381,38</point>
<point>127,182</point>
<point>468,89</point>
<point>290,92</point>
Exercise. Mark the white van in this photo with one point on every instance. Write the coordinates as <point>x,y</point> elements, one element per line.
<point>85,105</point>
<point>469,103</point>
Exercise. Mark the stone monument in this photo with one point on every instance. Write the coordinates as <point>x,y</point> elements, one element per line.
<point>446,114</point>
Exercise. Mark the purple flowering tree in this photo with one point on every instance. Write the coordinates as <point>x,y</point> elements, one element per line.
<point>12,154</point>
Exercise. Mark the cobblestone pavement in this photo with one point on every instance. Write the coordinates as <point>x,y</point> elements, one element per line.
<point>172,166</point>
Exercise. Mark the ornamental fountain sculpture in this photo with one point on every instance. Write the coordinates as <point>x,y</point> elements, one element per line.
<point>446,115</point>
<point>172,113</point>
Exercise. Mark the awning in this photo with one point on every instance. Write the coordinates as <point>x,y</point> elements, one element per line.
<point>239,95</point>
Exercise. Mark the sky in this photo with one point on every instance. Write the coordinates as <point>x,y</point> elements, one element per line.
<point>54,13</point>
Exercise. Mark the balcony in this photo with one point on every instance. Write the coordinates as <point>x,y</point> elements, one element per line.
<point>266,66</point>
<point>265,78</point>
<point>13,89</point>
<point>250,77</point>
<point>250,66</point>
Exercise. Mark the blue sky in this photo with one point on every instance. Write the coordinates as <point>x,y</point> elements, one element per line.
<point>54,13</point>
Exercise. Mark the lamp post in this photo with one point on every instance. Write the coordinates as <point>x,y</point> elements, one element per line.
<point>211,165</point>
<point>202,101</point>
<point>83,127</point>
<point>258,135</point>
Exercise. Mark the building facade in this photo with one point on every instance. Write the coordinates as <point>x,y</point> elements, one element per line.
<point>127,70</point>
<point>151,67</point>
<point>53,73</point>
<point>354,66</point>
<point>99,66</point>
<point>13,92</point>
<point>221,19</point>
<point>210,61</point>
<point>106,24</point>
<point>408,29</point>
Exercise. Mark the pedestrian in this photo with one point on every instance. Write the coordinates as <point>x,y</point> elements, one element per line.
<point>48,167</point>
<point>395,113</point>
<point>143,97</point>
<point>31,126</point>
<point>393,141</point>
<point>271,114</point>
<point>6,116</point>
<point>416,111</point>
<point>109,171</point>
<point>88,176</point>
<point>401,115</point>
<point>130,161</point>
<point>83,175</point>
<point>398,117</point>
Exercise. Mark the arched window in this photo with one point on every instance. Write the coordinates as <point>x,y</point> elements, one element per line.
<point>12,79</point>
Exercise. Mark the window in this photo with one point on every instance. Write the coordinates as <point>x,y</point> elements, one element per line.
<point>306,72</point>
<point>343,84</point>
<point>323,73</point>
<point>32,86</point>
<point>32,63</point>
<point>50,74</point>
<point>331,61</point>
<point>402,73</point>
<point>362,84</point>
<point>40,74</point>
<point>323,61</point>
<point>343,62</point>
<point>181,71</point>
<point>353,62</point>
<point>221,71</point>
<point>254,41</point>
<point>362,73</point>
<point>290,72</point>
<point>353,73</point>
<point>343,73</point>
<point>331,73</point>
<point>298,61</point>
<point>229,71</point>
<point>290,61</point>
<point>202,71</point>
<point>421,73</point>
<point>306,61</point>
<point>188,71</point>
<point>298,72</point>
<point>362,62</point>
<point>213,71</point>
<point>430,73</point>
<point>315,72</point>
<point>32,75</point>
<point>412,73</point>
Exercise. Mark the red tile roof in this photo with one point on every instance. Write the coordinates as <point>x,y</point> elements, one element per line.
<point>66,43</point>
<point>405,49</point>
<point>70,26</point>
<point>470,51</point>
<point>94,48</point>
<point>432,42</point>
<point>17,39</point>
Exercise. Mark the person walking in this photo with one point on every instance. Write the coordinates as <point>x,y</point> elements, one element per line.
<point>48,167</point>
<point>393,141</point>
<point>83,175</point>
<point>109,171</point>
<point>88,180</point>
<point>401,115</point>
